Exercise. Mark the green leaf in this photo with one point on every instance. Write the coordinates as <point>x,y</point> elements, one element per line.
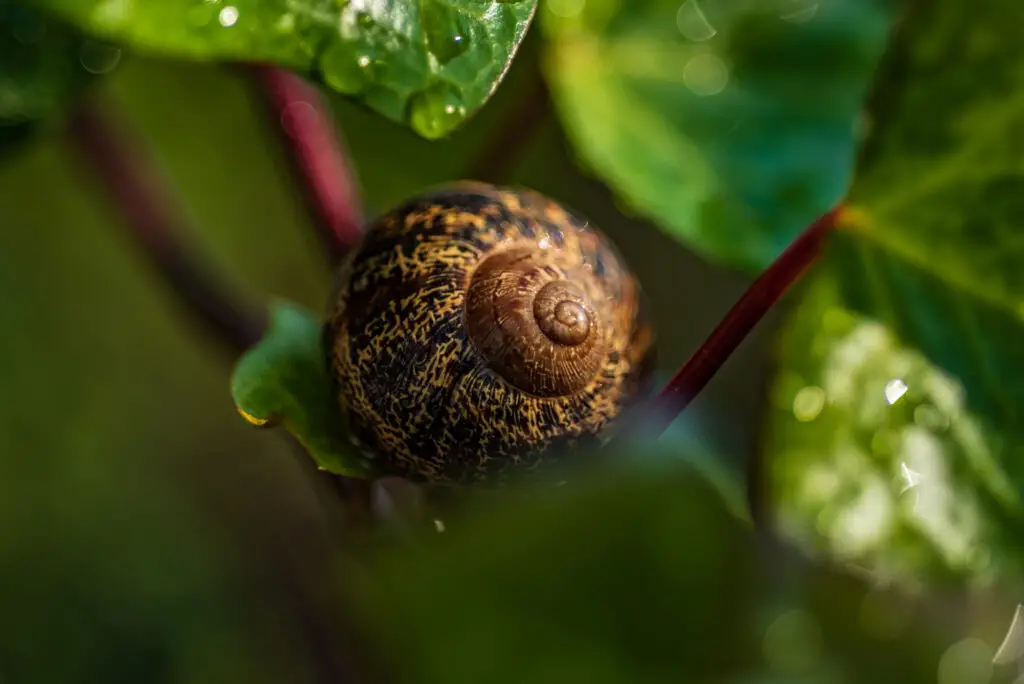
<point>931,254</point>
<point>877,460</point>
<point>935,250</point>
<point>428,63</point>
<point>632,576</point>
<point>43,65</point>
<point>283,380</point>
<point>731,124</point>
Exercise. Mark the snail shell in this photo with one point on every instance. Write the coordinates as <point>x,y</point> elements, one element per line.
<point>478,332</point>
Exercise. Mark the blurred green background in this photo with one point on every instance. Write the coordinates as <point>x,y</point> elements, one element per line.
<point>141,515</point>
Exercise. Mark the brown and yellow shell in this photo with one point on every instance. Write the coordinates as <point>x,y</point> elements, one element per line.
<point>477,331</point>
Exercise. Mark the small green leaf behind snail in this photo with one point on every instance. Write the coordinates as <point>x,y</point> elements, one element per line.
<point>477,333</point>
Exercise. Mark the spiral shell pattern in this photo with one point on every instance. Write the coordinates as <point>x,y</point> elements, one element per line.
<point>477,332</point>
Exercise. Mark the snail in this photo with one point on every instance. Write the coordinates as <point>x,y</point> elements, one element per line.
<point>478,333</point>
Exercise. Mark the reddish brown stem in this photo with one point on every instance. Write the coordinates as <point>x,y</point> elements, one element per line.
<point>759,298</point>
<point>119,165</point>
<point>147,208</point>
<point>318,155</point>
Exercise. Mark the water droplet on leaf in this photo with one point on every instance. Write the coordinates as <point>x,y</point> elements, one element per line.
<point>447,35</point>
<point>228,16</point>
<point>436,111</point>
<point>894,390</point>
<point>347,67</point>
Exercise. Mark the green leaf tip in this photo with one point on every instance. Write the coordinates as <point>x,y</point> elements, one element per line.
<point>283,381</point>
<point>428,64</point>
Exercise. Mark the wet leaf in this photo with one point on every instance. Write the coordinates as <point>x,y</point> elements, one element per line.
<point>731,124</point>
<point>635,576</point>
<point>877,459</point>
<point>427,63</point>
<point>43,64</point>
<point>934,248</point>
<point>283,380</point>
<point>930,255</point>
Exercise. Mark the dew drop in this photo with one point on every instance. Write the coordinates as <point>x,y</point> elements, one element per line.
<point>908,478</point>
<point>894,390</point>
<point>436,111</point>
<point>347,67</point>
<point>228,16</point>
<point>447,36</point>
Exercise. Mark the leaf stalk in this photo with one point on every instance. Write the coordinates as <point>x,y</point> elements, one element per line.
<point>118,163</point>
<point>318,156</point>
<point>694,375</point>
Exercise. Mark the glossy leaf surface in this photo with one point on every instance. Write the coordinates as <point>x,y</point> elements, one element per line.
<point>731,124</point>
<point>43,64</point>
<point>930,254</point>
<point>634,578</point>
<point>283,380</point>
<point>935,248</point>
<point>428,63</point>
<point>878,460</point>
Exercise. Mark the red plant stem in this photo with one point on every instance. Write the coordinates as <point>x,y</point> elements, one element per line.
<point>318,155</point>
<point>119,165</point>
<point>759,298</point>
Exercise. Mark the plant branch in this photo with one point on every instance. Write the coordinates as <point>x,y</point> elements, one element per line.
<point>759,298</point>
<point>317,154</point>
<point>119,165</point>
<point>500,151</point>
